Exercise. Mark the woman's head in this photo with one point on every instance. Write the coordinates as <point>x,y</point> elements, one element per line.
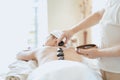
<point>51,41</point>
<point>52,38</point>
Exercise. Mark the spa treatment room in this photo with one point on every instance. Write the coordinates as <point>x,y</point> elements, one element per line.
<point>59,39</point>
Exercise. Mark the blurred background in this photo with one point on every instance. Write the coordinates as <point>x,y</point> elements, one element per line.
<point>25,23</point>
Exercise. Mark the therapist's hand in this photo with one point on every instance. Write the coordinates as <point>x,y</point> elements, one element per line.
<point>67,34</point>
<point>90,53</point>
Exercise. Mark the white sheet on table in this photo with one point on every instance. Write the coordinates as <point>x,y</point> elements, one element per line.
<point>64,70</point>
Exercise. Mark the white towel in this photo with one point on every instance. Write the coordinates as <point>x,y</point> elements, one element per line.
<point>16,77</point>
<point>19,70</point>
<point>2,76</point>
<point>56,33</point>
<point>64,70</point>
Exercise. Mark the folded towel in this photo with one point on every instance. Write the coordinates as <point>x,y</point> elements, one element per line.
<point>22,67</point>
<point>19,70</point>
<point>2,76</point>
<point>16,77</point>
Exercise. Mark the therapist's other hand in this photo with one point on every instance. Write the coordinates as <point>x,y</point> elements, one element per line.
<point>67,34</point>
<point>90,53</point>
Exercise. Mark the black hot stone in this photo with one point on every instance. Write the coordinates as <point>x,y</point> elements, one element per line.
<point>61,43</point>
<point>59,50</point>
<point>60,54</point>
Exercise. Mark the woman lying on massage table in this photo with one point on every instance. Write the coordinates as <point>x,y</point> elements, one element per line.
<point>50,53</point>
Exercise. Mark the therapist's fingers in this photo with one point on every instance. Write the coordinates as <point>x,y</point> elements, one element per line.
<point>82,52</point>
<point>61,38</point>
<point>78,51</point>
<point>64,37</point>
<point>67,38</point>
<point>90,53</point>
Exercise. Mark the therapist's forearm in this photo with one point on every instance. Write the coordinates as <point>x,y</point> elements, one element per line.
<point>110,52</point>
<point>88,22</point>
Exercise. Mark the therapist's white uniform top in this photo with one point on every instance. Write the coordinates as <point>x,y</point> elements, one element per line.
<point>110,35</point>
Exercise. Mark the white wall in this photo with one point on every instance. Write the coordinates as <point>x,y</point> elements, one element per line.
<point>15,22</point>
<point>42,21</point>
<point>63,14</point>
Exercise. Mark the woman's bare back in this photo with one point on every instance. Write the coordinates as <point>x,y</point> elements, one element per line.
<point>47,54</point>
